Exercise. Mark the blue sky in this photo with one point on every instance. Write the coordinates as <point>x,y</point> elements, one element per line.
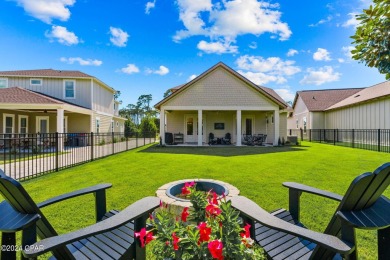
<point>148,46</point>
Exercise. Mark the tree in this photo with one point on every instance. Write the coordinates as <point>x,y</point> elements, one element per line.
<point>372,37</point>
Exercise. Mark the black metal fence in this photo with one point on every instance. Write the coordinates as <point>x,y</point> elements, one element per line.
<point>368,139</point>
<point>24,156</point>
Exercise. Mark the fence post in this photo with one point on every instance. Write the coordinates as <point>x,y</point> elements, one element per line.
<point>309,135</point>
<point>320,135</point>
<point>301,130</point>
<point>379,140</point>
<point>353,138</point>
<point>112,139</point>
<point>57,147</point>
<point>337,132</point>
<point>334,136</point>
<point>92,146</point>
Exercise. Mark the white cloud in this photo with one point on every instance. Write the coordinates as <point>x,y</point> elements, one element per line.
<point>322,54</point>
<point>318,77</point>
<point>285,93</point>
<point>341,60</point>
<point>253,45</point>
<point>130,69</point>
<point>161,71</point>
<point>81,61</point>
<point>47,10</point>
<point>228,19</point>
<point>62,35</point>
<point>351,21</point>
<point>322,21</point>
<point>347,51</point>
<point>191,77</point>
<point>118,37</point>
<point>291,52</point>
<point>149,5</point>
<point>261,71</point>
<point>217,47</point>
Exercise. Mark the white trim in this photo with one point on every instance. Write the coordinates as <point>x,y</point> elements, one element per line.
<point>20,123</point>
<point>74,88</point>
<point>38,125</point>
<point>6,81</point>
<point>13,122</point>
<point>31,84</point>
<point>219,108</point>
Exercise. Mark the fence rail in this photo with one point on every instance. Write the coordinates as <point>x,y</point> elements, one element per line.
<point>24,156</point>
<point>368,139</point>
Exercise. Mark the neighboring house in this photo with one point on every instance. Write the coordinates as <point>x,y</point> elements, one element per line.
<point>353,108</point>
<point>47,101</point>
<point>221,101</point>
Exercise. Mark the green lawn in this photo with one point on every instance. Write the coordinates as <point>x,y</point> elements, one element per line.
<point>257,171</point>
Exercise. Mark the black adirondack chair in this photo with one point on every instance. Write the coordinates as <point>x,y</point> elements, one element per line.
<point>363,206</point>
<point>112,237</point>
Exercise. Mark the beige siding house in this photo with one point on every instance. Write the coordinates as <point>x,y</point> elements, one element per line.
<point>222,101</point>
<point>354,108</point>
<point>47,101</point>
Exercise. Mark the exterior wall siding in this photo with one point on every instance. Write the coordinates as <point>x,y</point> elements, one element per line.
<point>283,126</point>
<point>372,115</point>
<point>103,99</point>
<point>300,112</point>
<point>55,88</point>
<point>317,120</point>
<point>220,88</point>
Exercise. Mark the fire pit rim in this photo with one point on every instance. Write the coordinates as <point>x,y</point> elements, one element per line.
<point>225,189</point>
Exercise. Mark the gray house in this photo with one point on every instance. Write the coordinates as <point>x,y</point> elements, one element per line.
<point>353,108</point>
<point>47,100</point>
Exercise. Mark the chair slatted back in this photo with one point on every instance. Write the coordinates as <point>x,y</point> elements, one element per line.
<point>14,193</point>
<point>363,192</point>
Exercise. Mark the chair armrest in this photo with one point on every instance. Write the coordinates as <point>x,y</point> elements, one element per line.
<point>251,210</point>
<point>312,190</point>
<point>134,211</point>
<point>92,189</point>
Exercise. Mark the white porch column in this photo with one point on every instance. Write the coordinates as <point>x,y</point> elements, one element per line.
<point>276,125</point>
<point>238,142</point>
<point>60,128</point>
<point>200,135</point>
<point>162,126</point>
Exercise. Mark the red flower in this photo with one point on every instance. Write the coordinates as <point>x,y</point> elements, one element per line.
<point>213,210</point>
<point>184,214</point>
<point>215,201</point>
<point>246,236</point>
<point>204,232</point>
<point>215,248</point>
<point>176,240</point>
<point>142,235</point>
<point>185,190</point>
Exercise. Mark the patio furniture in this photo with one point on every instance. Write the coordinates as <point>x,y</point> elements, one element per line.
<point>363,206</point>
<point>248,140</point>
<point>112,237</point>
<point>259,139</point>
<point>227,139</point>
<point>212,139</point>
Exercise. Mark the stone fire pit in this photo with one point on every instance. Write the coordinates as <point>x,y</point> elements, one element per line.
<point>167,193</point>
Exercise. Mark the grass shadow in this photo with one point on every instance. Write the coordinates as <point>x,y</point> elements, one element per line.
<point>226,151</point>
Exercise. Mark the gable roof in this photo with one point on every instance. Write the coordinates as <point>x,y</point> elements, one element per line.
<point>367,94</point>
<point>50,73</point>
<point>270,93</point>
<point>320,100</point>
<point>46,73</point>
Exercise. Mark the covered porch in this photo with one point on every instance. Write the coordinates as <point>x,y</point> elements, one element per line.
<point>241,126</point>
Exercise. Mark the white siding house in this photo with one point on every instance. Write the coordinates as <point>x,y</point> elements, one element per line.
<point>222,101</point>
<point>49,100</point>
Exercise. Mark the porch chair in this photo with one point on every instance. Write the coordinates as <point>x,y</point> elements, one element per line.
<point>363,206</point>
<point>212,139</point>
<point>248,139</point>
<point>227,139</point>
<point>112,237</point>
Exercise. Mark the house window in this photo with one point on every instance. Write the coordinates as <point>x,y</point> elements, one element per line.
<point>42,124</point>
<point>117,124</point>
<point>272,119</point>
<point>304,124</point>
<point>70,89</point>
<point>297,122</point>
<point>8,124</point>
<point>23,125</point>
<point>97,125</point>
<point>3,83</point>
<point>35,82</point>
